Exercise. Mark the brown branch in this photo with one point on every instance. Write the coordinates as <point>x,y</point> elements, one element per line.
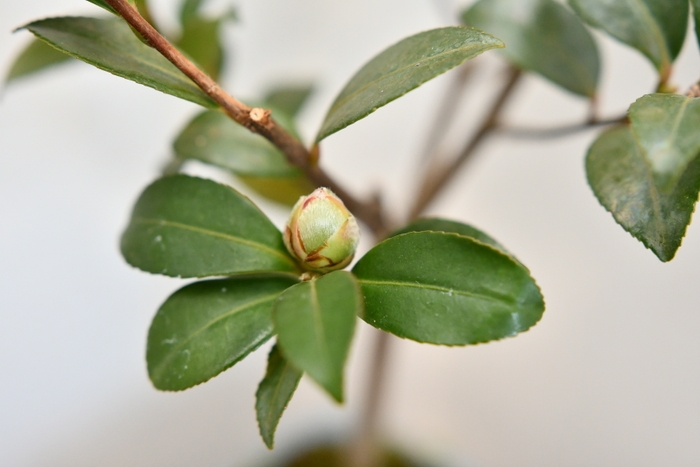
<point>557,132</point>
<point>694,90</point>
<point>441,176</point>
<point>257,120</point>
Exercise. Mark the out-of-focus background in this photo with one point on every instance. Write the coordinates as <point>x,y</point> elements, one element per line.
<point>610,377</point>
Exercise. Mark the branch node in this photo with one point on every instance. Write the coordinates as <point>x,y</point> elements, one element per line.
<point>260,116</point>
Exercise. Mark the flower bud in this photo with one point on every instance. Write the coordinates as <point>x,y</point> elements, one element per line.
<point>321,233</point>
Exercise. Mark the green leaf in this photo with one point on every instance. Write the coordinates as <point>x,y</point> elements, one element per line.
<point>289,99</point>
<point>443,288</point>
<point>544,37</point>
<point>109,44</point>
<point>274,393</point>
<point>315,321</point>
<point>37,56</point>
<point>656,28</point>
<point>200,40</point>
<point>622,182</point>
<point>667,127</point>
<point>206,327</point>
<point>213,138</point>
<point>190,10</point>
<point>105,5</point>
<point>443,225</point>
<point>191,227</point>
<point>401,68</point>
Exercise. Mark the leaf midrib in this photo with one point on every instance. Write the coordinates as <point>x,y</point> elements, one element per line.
<point>213,233</point>
<point>175,350</point>
<point>437,288</point>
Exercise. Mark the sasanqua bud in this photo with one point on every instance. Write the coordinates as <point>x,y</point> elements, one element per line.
<point>321,233</point>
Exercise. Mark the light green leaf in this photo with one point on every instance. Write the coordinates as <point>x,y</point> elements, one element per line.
<point>435,224</point>
<point>37,56</point>
<point>544,37</point>
<point>315,322</point>
<point>274,393</point>
<point>191,227</point>
<point>110,45</point>
<point>443,288</point>
<point>206,327</point>
<point>667,127</point>
<point>622,182</point>
<point>401,68</point>
<point>201,41</point>
<point>213,138</point>
<point>656,28</point>
<point>289,99</point>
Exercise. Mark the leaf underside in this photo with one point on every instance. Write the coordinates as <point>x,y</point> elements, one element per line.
<point>544,37</point>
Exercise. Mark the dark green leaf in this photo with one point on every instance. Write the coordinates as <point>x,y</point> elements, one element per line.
<point>444,288</point>
<point>110,45</point>
<point>274,393</point>
<point>315,321</point>
<point>667,127</point>
<point>191,227</point>
<point>214,138</point>
<point>654,27</point>
<point>621,181</point>
<point>206,327</point>
<point>289,99</point>
<point>201,41</point>
<point>544,37</point>
<point>37,56</point>
<point>401,68</point>
<point>443,225</point>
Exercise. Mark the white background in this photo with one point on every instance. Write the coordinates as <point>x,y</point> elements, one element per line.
<point>609,377</point>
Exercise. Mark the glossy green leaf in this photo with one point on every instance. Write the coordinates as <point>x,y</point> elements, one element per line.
<point>212,137</point>
<point>667,127</point>
<point>542,36</point>
<point>289,99</point>
<point>37,56</point>
<point>110,45</point>
<point>435,224</point>
<point>656,28</point>
<point>315,322</point>
<point>401,68</point>
<point>274,393</point>
<point>206,327</point>
<point>191,227</point>
<point>621,180</point>
<point>443,288</point>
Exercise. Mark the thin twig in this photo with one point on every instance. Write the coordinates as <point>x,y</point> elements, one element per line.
<point>439,178</point>
<point>447,110</point>
<point>255,119</point>
<point>364,451</point>
<point>556,132</point>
